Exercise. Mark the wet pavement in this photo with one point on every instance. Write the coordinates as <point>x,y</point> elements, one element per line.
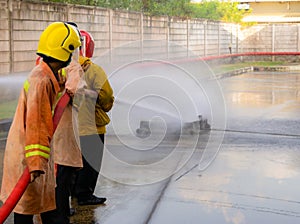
<point>254,177</point>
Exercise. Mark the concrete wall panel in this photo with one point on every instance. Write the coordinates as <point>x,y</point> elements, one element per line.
<point>21,24</point>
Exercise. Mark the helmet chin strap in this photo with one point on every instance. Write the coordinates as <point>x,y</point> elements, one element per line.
<point>83,46</point>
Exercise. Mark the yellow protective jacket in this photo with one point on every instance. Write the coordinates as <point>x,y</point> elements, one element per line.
<point>28,143</point>
<point>93,112</point>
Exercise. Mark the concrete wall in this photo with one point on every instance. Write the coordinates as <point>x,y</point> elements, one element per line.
<point>270,37</point>
<point>21,23</point>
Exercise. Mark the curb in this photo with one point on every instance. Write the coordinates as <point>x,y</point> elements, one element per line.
<point>259,69</point>
<point>234,72</point>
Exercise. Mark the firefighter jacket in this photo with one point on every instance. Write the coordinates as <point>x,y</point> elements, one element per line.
<point>65,141</point>
<point>66,144</point>
<point>28,143</point>
<point>92,114</point>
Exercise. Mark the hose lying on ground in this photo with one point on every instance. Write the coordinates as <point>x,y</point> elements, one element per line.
<point>24,180</point>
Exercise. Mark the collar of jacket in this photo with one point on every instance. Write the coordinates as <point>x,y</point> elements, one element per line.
<point>48,70</point>
<point>85,62</point>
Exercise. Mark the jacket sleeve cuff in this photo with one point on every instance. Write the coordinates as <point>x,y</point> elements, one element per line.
<point>37,163</point>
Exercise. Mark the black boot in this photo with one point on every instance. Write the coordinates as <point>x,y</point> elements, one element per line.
<point>92,200</point>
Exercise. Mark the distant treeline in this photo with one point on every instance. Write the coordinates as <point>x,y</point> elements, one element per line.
<point>225,11</point>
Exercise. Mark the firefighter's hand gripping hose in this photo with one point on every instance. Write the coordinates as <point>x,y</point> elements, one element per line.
<point>24,180</point>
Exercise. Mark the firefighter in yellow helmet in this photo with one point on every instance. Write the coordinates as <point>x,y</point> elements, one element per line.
<point>65,142</point>
<point>28,142</point>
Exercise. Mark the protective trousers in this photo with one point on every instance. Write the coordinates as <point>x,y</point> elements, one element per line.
<point>92,147</point>
<point>50,217</point>
<point>64,177</point>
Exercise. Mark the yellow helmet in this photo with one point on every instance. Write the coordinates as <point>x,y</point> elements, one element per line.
<point>58,40</point>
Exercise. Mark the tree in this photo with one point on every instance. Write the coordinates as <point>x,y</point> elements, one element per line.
<point>231,13</point>
<point>216,10</point>
<point>207,10</point>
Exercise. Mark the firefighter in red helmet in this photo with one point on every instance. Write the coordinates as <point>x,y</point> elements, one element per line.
<point>88,45</point>
<point>92,121</point>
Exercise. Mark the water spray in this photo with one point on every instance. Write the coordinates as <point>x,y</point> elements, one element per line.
<point>160,92</point>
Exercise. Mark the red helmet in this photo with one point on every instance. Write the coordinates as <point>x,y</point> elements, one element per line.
<point>88,45</point>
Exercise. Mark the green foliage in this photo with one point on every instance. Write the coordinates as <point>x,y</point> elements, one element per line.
<point>207,9</point>
<point>226,11</point>
<point>231,13</point>
<point>217,10</point>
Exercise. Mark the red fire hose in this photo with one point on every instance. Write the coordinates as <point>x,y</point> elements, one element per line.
<point>24,180</point>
